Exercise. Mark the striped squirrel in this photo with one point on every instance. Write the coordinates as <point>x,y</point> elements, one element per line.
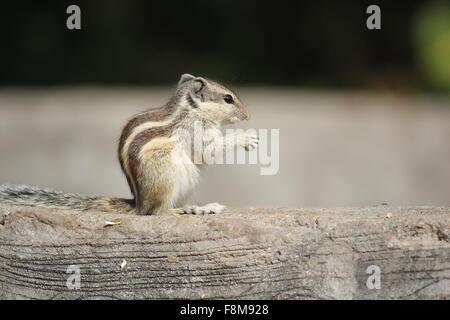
<point>156,160</point>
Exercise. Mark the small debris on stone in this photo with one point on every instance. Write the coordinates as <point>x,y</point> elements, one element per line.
<point>112,223</point>
<point>173,259</point>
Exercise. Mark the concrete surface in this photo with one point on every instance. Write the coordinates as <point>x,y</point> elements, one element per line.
<point>253,253</point>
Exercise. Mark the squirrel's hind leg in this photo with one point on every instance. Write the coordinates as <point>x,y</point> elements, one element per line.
<point>156,178</point>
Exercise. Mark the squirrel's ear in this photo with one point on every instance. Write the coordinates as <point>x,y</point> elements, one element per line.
<point>185,77</point>
<point>198,84</point>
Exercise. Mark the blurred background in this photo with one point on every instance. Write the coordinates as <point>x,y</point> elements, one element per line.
<point>364,115</point>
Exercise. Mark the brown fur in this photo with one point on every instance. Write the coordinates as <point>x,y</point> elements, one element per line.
<point>157,114</point>
<point>149,173</point>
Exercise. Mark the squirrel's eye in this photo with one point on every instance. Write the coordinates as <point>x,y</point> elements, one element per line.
<point>227,98</point>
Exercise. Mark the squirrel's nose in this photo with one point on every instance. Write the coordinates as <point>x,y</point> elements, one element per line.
<point>245,113</point>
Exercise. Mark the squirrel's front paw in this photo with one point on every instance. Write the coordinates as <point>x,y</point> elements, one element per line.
<point>248,140</point>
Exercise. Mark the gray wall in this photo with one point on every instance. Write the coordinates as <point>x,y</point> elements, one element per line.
<point>345,149</point>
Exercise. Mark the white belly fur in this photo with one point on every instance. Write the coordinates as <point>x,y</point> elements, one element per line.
<point>186,175</point>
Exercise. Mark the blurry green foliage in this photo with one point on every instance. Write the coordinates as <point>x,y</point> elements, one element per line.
<point>431,36</point>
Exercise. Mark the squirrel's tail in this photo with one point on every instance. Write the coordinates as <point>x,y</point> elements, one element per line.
<point>39,197</point>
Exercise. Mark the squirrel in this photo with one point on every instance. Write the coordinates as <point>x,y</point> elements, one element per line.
<point>155,158</point>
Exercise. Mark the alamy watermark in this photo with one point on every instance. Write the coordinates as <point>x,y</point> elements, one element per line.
<point>73,21</point>
<point>374,280</point>
<point>374,20</point>
<point>236,146</point>
<point>74,280</point>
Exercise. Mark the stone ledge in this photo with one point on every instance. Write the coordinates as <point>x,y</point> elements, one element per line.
<point>244,253</point>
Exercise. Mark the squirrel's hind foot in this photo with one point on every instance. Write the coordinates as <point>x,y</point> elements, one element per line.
<point>210,208</point>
